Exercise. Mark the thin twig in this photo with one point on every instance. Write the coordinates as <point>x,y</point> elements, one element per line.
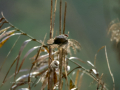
<point>110,69</point>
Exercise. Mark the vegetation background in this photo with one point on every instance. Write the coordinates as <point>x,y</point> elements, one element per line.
<point>87,21</point>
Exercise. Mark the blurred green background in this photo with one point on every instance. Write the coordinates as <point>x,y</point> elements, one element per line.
<point>87,21</point>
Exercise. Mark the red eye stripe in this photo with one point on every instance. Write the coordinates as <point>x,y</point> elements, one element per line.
<point>66,35</point>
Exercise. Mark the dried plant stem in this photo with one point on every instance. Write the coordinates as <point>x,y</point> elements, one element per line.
<point>81,76</point>
<point>60,67</point>
<point>8,73</point>
<point>50,76</point>
<point>65,68</point>
<point>54,17</point>
<point>23,33</point>
<point>110,69</point>
<point>60,49</point>
<point>99,81</point>
<point>60,22</point>
<point>90,74</point>
<point>96,55</point>
<point>64,17</point>
<point>9,52</point>
<point>53,72</point>
<point>76,79</point>
<point>38,53</point>
<point>73,70</point>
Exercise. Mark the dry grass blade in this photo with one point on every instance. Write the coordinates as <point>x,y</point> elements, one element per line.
<point>3,33</point>
<point>1,19</point>
<point>76,79</point>
<point>40,73</point>
<point>33,74</point>
<point>89,74</point>
<point>8,72</point>
<point>3,23</point>
<point>71,85</point>
<point>18,84</point>
<point>23,70</point>
<point>43,57</point>
<point>45,81</point>
<point>39,51</point>
<point>99,81</point>
<point>80,81</point>
<point>23,77</point>
<point>23,89</point>
<point>6,21</point>
<point>6,38</point>
<point>21,49</point>
<point>96,54</point>
<point>31,50</point>
<point>9,52</point>
<point>60,67</point>
<point>89,63</point>
<point>75,58</point>
<point>38,80</point>
<point>7,33</point>
<point>5,29</point>
<point>73,70</point>
<point>110,69</point>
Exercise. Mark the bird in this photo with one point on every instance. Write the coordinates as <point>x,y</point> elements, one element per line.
<point>60,40</point>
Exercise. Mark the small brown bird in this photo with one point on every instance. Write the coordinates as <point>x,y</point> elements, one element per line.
<point>60,40</point>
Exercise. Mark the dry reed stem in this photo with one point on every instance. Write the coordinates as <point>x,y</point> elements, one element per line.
<point>65,68</point>
<point>60,22</point>
<point>109,68</point>
<point>54,17</point>
<point>60,49</point>
<point>50,51</point>
<point>60,67</point>
<point>64,17</point>
<point>53,72</point>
